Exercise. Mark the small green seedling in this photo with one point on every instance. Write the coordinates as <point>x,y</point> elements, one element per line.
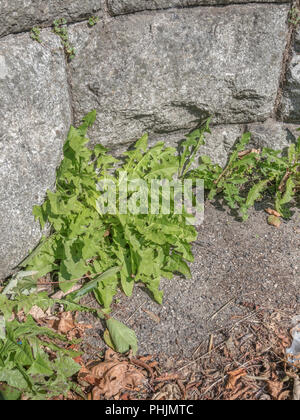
<point>60,29</point>
<point>294,16</point>
<point>93,20</point>
<point>250,174</point>
<point>35,34</point>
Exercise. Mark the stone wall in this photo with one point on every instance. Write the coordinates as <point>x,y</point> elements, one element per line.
<point>147,66</point>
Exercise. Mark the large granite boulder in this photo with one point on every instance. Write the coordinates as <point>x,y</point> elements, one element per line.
<point>119,7</point>
<point>21,15</point>
<point>163,71</point>
<point>35,116</point>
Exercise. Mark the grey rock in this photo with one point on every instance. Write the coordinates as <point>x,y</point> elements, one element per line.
<point>162,72</point>
<point>273,134</point>
<point>221,142</point>
<point>119,7</point>
<point>35,115</point>
<point>21,15</point>
<point>290,105</point>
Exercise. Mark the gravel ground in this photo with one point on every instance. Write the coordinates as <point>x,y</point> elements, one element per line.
<point>239,265</point>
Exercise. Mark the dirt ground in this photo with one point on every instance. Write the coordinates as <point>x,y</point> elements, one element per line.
<point>223,334</point>
<point>236,265</point>
<point>249,363</point>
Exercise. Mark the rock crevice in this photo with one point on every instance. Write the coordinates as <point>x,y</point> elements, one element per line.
<point>121,7</point>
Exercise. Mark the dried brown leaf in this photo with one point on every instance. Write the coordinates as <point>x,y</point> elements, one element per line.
<point>37,313</point>
<point>275,388</point>
<point>234,376</point>
<point>86,378</point>
<point>272,212</point>
<point>247,152</point>
<point>112,376</point>
<point>66,323</point>
<point>117,376</point>
<point>111,355</point>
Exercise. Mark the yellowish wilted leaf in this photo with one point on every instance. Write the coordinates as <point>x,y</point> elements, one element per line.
<point>274,221</point>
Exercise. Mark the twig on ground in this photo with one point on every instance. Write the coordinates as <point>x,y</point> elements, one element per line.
<point>221,309</point>
<point>145,366</point>
<point>135,311</point>
<point>202,357</point>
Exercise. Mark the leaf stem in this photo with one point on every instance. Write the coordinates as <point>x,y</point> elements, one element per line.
<point>284,180</point>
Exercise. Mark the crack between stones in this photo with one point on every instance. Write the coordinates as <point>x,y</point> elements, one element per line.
<point>44,26</point>
<point>237,3</point>
<point>70,89</point>
<point>287,56</point>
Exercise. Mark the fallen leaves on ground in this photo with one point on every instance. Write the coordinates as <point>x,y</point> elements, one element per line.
<point>112,376</point>
<point>168,392</point>
<point>247,363</point>
<point>66,324</point>
<point>121,377</point>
